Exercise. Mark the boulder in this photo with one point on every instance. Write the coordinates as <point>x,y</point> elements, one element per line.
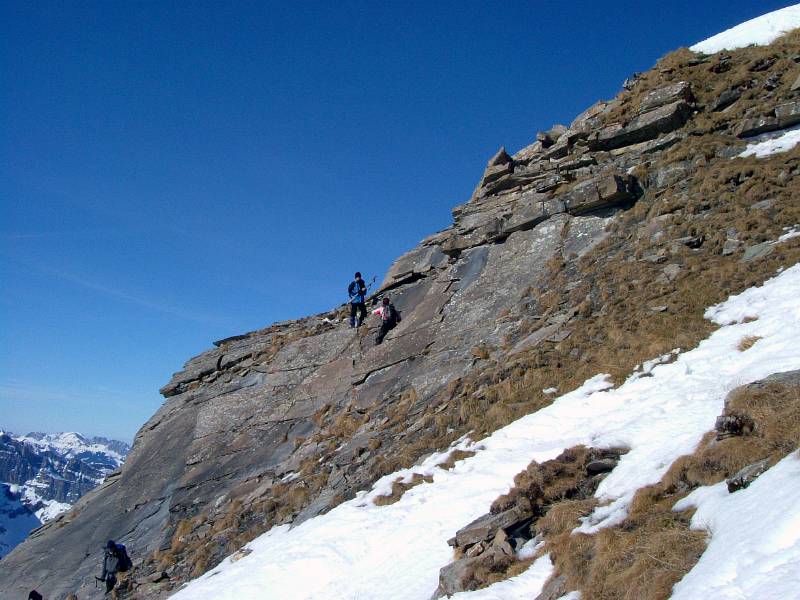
<point>555,588</point>
<point>748,475</point>
<point>796,85</point>
<point>499,166</point>
<point>735,424</point>
<point>455,577</point>
<point>788,114</point>
<point>681,91</point>
<point>551,136</point>
<point>484,528</point>
<point>500,158</point>
<point>603,465</point>
<point>495,172</point>
<point>730,247</point>
<point>782,116</point>
<point>589,118</point>
<point>756,126</point>
<point>644,127</point>
<point>752,253</point>
<point>416,262</point>
<point>726,99</point>
<point>599,192</point>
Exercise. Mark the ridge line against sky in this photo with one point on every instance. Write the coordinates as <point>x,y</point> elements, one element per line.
<point>231,166</point>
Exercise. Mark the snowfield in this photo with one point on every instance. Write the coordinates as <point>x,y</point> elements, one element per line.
<point>760,31</point>
<point>359,550</point>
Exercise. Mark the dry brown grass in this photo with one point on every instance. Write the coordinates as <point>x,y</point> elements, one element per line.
<point>562,517</point>
<point>454,457</point>
<point>346,423</point>
<point>747,342</point>
<point>648,553</point>
<point>707,85</point>
<point>399,487</point>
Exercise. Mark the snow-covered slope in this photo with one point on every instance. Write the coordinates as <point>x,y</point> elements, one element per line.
<point>360,550</point>
<point>760,31</point>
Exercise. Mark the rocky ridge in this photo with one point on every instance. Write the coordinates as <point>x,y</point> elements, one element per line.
<point>597,224</point>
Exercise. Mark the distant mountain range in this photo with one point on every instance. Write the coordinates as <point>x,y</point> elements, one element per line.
<point>42,475</point>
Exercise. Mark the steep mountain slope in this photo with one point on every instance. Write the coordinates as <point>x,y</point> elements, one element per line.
<point>368,549</point>
<point>43,475</point>
<point>596,248</point>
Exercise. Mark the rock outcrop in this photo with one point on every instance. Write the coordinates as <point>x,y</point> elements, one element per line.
<point>281,424</point>
<point>491,542</point>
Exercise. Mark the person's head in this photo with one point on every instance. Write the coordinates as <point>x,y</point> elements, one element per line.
<point>386,302</point>
<point>110,545</point>
<point>358,275</point>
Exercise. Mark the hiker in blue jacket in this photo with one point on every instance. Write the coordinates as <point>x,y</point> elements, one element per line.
<point>115,562</point>
<point>110,566</point>
<point>357,290</point>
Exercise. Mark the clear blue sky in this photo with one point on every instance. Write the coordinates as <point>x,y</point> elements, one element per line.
<point>175,173</point>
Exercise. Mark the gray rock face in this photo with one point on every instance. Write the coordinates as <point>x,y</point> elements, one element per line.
<point>780,117</point>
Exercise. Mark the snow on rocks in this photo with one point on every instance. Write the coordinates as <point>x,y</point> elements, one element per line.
<point>791,233</point>
<point>754,548</point>
<point>772,143</point>
<point>516,588</point>
<point>760,31</point>
<point>360,550</point>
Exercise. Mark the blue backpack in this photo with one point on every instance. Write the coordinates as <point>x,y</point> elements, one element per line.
<point>124,561</point>
<point>356,292</point>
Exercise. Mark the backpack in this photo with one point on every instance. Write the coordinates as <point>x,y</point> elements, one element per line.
<point>124,563</point>
<point>357,291</point>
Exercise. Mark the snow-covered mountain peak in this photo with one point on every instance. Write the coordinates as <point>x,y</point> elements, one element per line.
<point>71,444</point>
<point>44,474</point>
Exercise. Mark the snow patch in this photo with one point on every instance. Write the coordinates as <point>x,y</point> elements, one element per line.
<point>773,143</point>
<point>754,547</point>
<point>760,31</point>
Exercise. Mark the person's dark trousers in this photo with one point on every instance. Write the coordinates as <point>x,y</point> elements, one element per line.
<point>362,310</point>
<point>386,327</point>
<point>111,581</point>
